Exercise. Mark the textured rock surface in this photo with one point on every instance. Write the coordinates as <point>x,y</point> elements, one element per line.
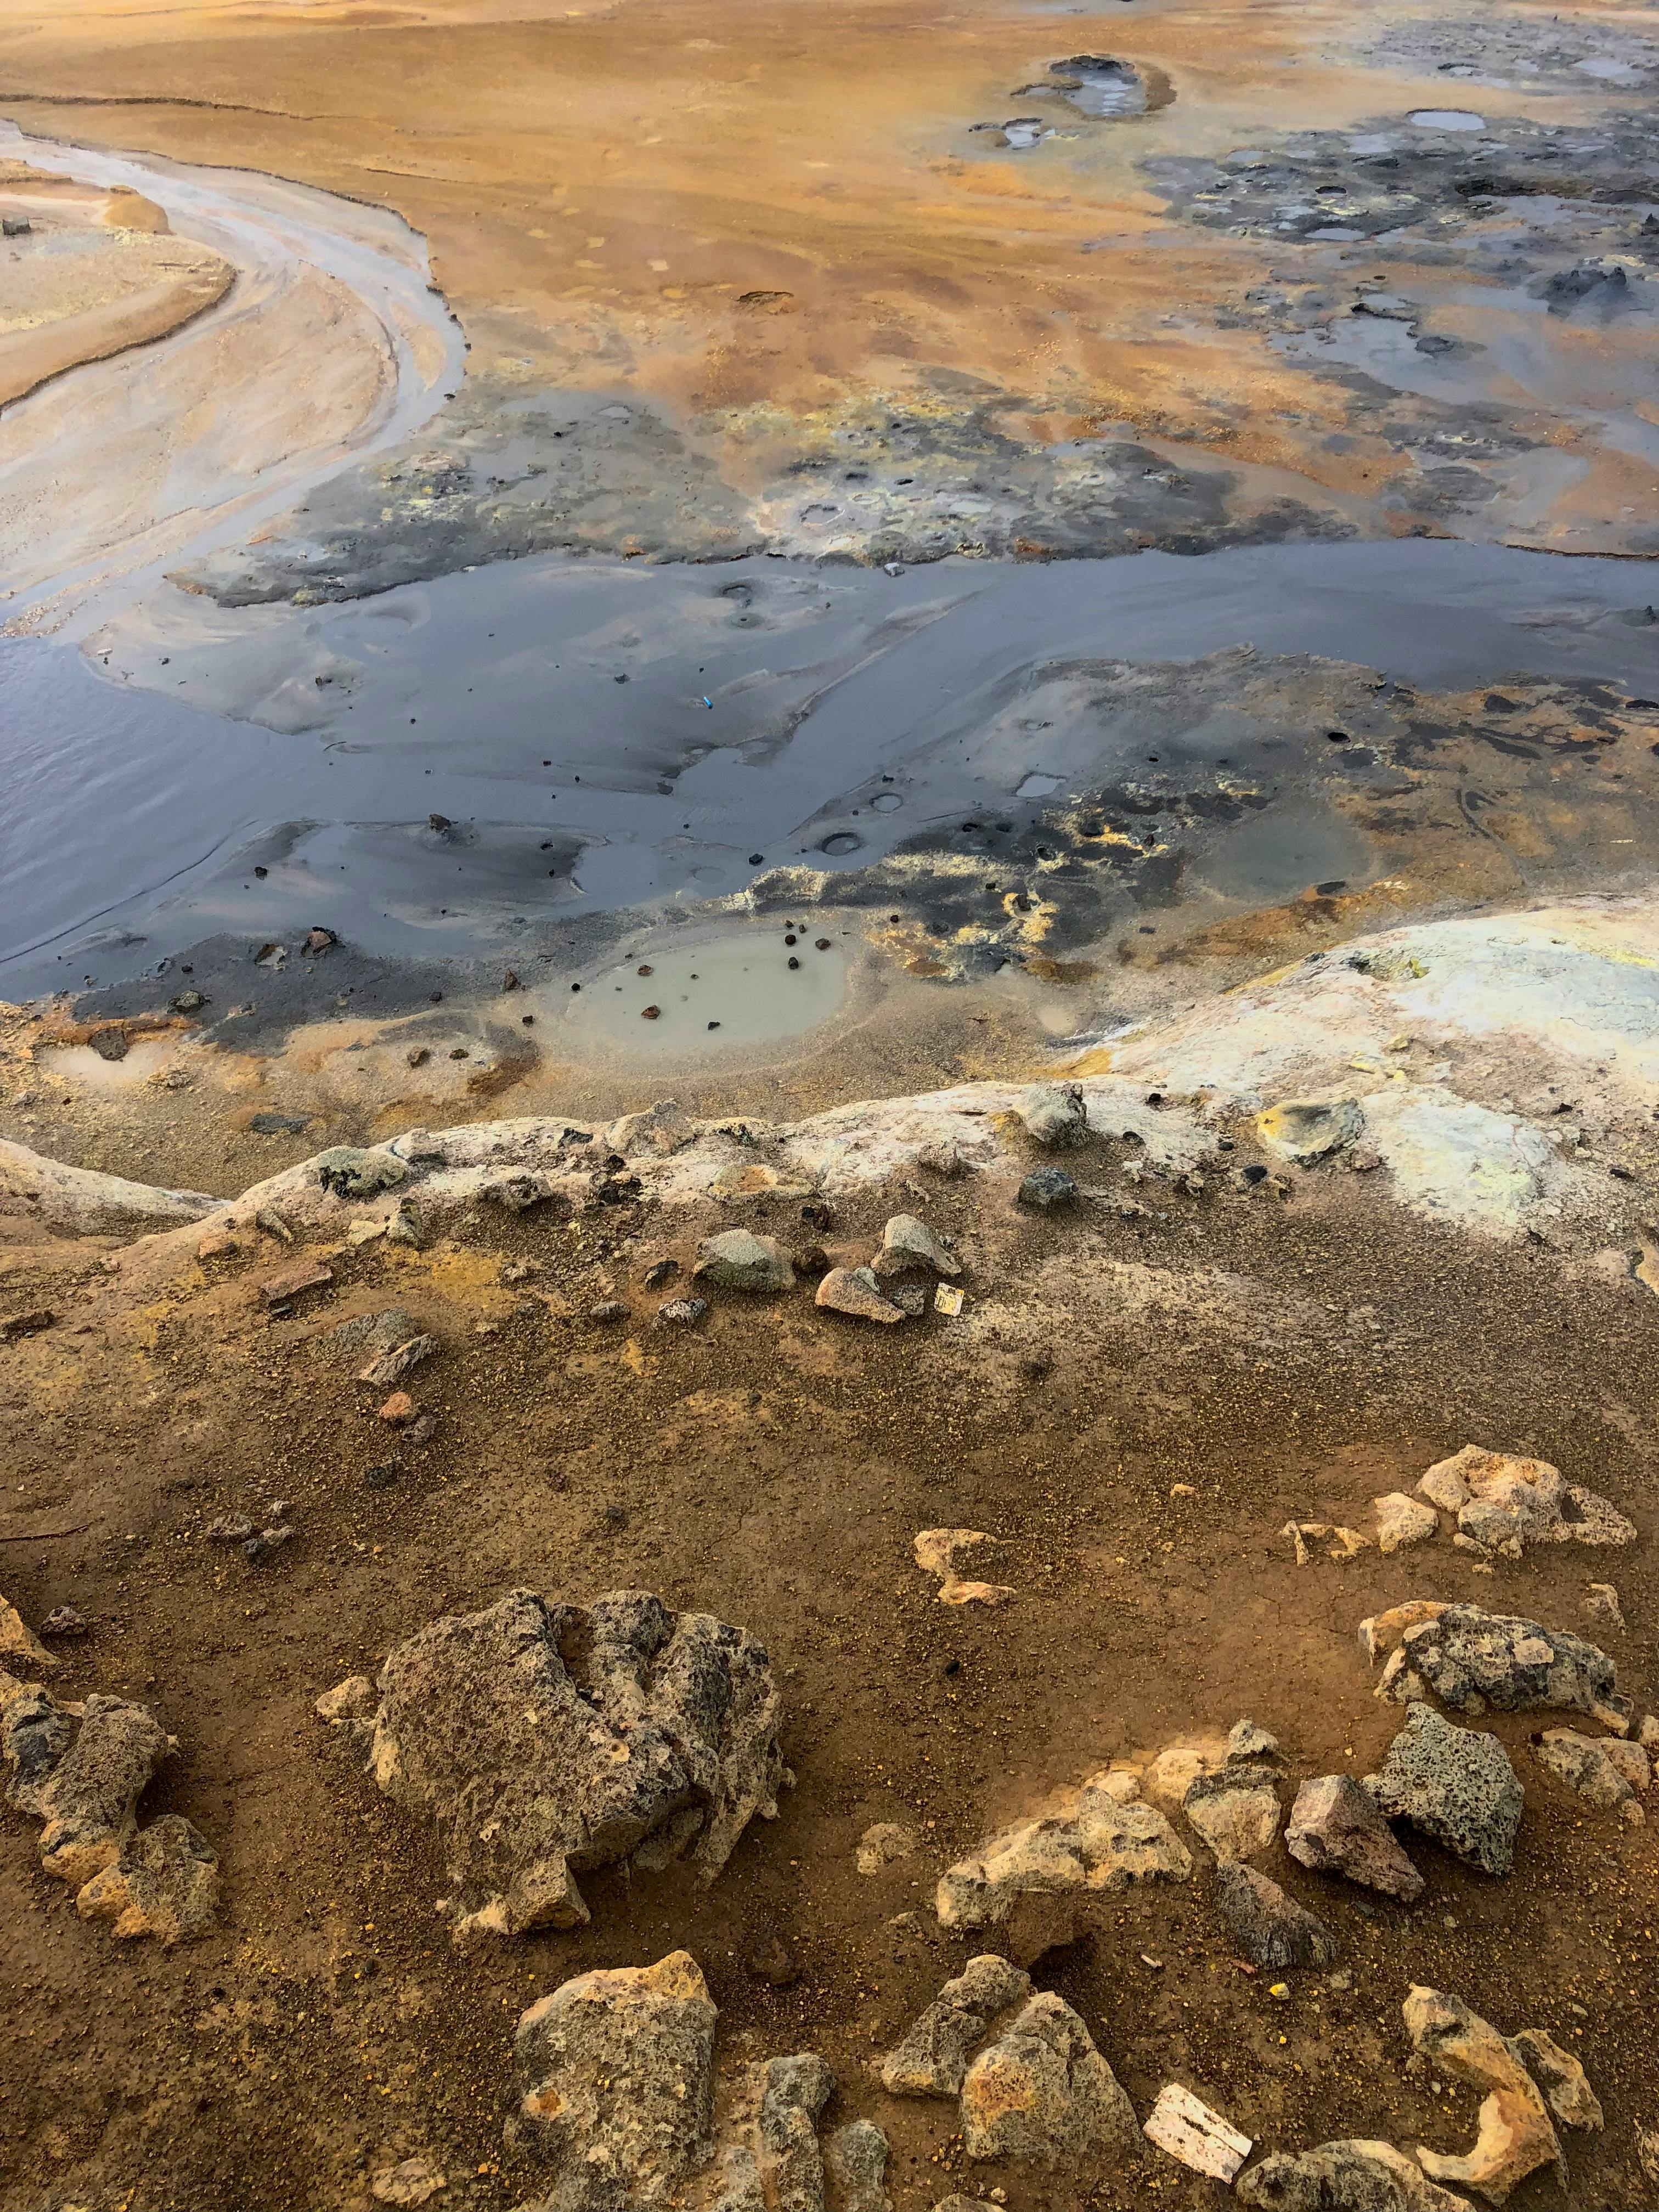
<point>1307,1130</point>
<point>1606,1775</point>
<point>1272,1929</point>
<point>545,1738</point>
<point>1089,1841</point>
<point>1498,1497</point>
<point>1237,1811</point>
<point>1513,2133</point>
<point>1472,1659</point>
<point>1042,2091</point>
<point>615,2079</point>
<point>1454,1785</point>
<point>738,1261</point>
<point>931,2059</point>
<point>1402,1521</point>
<point>907,1242</point>
<point>1335,1827</point>
<point>1348,2176</point>
<point>772,2155</point>
<point>854,1290</point>
<point>165,1883</point>
<point>349,1172</point>
<point>22,1651</point>
<point>878,1846</point>
<point>80,1769</point>
<point>1054,1113</point>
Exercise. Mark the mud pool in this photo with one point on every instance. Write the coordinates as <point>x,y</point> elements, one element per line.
<point>448,769</point>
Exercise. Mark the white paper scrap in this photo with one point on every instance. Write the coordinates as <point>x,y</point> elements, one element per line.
<point>1193,2134</point>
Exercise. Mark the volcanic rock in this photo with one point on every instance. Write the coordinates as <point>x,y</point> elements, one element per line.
<point>1087,1842</point>
<point>931,2059</point>
<point>615,2079</point>
<point>1335,1827</point>
<point>1042,2092</point>
<point>543,1738</point>
<point>1454,1785</point>
<point>1272,1929</point>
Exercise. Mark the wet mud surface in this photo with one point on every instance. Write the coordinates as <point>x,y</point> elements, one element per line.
<point>520,763</point>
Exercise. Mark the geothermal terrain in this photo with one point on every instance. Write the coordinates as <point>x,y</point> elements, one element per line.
<point>829,1107</point>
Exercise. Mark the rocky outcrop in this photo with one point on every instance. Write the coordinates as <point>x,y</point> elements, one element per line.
<point>1472,1660</point>
<point>1235,1811</point>
<point>1506,1502</point>
<point>1272,1930</point>
<point>613,2081</point>
<point>81,1770</point>
<point>545,1738</point>
<point>1455,1785</point>
<point>1349,2176</point>
<point>1050,1870</point>
<point>1608,1775</point>
<point>1514,2132</point>
<point>81,1202</point>
<point>1042,2092</point>
<point>931,2059</point>
<point>1336,1827</point>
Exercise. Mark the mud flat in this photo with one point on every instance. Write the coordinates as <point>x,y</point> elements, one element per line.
<point>474,768</point>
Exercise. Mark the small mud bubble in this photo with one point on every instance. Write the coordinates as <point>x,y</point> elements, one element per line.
<point>1446,119</point>
<point>886,802</point>
<point>844,840</point>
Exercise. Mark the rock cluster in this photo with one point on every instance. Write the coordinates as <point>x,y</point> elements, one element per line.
<point>1503,1503</point>
<point>1525,2078</point>
<point>1472,1660</point>
<point>614,2099</point>
<point>80,1769</point>
<point>545,1738</point>
<point>1037,2088</point>
<point>1039,1880</point>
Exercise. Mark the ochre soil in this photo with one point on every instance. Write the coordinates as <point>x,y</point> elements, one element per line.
<point>1284,1358</point>
<point>770,221</point>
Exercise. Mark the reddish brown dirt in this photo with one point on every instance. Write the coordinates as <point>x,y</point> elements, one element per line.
<point>773,1467</point>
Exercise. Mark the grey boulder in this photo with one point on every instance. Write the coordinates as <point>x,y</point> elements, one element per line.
<point>543,1738</point>
<point>1054,1113</point>
<point>1455,1785</point>
<point>738,1261</point>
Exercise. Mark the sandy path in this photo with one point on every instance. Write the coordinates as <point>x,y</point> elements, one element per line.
<point>329,346</point>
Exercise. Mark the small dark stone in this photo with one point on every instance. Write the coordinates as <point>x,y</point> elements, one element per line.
<point>815,1214</point>
<point>1047,1186</point>
<point>822,944</point>
<point>682,1313</point>
<point>613,1516</point>
<point>382,1477</point>
<point>812,1259</point>
<point>607,1310</point>
<point>279,1125</point>
<point>1272,1929</point>
<point>659,1272</point>
<point>188,1002</point>
<point>794,963</point>
<point>770,1959</point>
<point>650,1013</point>
<point>259,1550</point>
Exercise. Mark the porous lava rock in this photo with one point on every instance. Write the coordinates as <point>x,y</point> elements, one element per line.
<point>545,1738</point>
